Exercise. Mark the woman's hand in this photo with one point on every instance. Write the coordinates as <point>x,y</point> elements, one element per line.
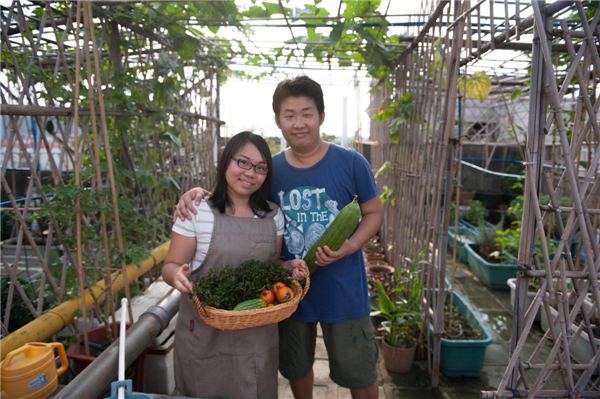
<point>298,267</point>
<point>181,279</point>
<point>185,204</point>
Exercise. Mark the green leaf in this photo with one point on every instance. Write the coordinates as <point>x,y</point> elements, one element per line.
<point>171,136</point>
<point>309,49</point>
<point>386,165</point>
<point>256,12</point>
<point>168,62</point>
<point>385,303</point>
<point>186,46</point>
<point>38,12</point>
<point>388,194</point>
<point>147,177</point>
<point>169,184</point>
<point>395,129</point>
<point>336,33</point>
<point>478,86</point>
<point>516,93</point>
<point>272,8</point>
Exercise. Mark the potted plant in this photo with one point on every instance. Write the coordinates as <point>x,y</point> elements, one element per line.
<point>373,245</point>
<point>402,318</point>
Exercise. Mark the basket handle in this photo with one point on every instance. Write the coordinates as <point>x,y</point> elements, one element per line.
<point>307,282</point>
<point>199,306</point>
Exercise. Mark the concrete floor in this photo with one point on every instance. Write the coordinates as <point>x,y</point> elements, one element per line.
<point>495,310</point>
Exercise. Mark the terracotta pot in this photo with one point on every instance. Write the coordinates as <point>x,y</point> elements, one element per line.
<point>377,262</point>
<point>374,256</point>
<point>383,273</point>
<point>370,249</point>
<point>99,339</point>
<point>380,269</point>
<point>398,360</point>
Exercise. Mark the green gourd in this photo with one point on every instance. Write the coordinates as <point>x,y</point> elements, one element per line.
<point>338,231</point>
<point>250,304</point>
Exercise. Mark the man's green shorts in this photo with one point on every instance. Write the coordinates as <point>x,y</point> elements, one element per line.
<point>351,348</point>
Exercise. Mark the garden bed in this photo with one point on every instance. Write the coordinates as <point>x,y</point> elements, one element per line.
<point>494,275</point>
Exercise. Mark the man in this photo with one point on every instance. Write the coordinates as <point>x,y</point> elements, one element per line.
<point>312,181</point>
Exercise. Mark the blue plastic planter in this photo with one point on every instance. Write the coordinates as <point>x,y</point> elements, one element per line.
<point>460,244</point>
<point>494,275</point>
<point>464,358</point>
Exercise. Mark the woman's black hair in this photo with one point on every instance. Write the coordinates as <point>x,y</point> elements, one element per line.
<point>258,199</point>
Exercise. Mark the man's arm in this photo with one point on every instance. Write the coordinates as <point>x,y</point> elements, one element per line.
<point>185,204</point>
<point>372,218</point>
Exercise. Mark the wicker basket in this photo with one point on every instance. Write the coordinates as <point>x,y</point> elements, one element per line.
<point>236,320</point>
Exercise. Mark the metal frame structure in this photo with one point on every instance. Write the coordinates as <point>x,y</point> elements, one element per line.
<point>424,172</point>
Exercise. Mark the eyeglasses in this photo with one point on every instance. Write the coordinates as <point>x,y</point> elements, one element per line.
<point>242,163</point>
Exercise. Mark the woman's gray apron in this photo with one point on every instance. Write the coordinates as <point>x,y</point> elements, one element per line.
<point>211,363</point>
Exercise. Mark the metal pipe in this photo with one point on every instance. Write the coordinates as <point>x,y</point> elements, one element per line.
<point>96,378</point>
<point>51,322</point>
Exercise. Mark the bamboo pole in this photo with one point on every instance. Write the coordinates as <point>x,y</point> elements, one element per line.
<point>103,130</point>
<point>78,185</point>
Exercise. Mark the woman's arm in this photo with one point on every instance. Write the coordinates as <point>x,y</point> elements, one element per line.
<point>295,265</point>
<point>176,269</point>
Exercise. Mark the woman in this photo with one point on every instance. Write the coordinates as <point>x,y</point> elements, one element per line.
<point>237,223</point>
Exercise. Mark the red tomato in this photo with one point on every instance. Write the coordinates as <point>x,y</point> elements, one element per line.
<point>277,286</point>
<point>267,296</point>
<point>285,294</point>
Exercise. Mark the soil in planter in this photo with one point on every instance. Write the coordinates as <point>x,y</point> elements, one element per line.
<point>461,329</point>
<point>485,254</point>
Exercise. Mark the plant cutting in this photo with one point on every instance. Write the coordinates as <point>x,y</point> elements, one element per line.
<point>372,246</point>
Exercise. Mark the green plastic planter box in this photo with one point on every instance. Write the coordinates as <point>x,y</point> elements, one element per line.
<point>494,275</point>
<point>464,358</point>
<point>460,243</point>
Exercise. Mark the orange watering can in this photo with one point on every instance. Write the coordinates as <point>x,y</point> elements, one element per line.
<point>30,371</point>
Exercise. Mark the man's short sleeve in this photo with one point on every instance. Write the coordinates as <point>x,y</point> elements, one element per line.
<point>364,180</point>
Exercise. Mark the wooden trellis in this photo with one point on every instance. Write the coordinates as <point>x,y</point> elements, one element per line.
<point>424,173</point>
<point>130,141</point>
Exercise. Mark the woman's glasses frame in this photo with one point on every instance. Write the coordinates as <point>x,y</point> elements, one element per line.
<point>247,165</point>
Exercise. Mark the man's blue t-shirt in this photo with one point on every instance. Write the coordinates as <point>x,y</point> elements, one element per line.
<point>310,198</point>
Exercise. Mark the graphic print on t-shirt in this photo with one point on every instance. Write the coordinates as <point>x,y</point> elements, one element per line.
<point>308,212</point>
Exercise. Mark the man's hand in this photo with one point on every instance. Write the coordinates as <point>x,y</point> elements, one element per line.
<point>181,279</point>
<point>325,256</point>
<point>185,204</point>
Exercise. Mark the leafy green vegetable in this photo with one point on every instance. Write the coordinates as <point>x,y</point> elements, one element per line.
<point>226,288</point>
